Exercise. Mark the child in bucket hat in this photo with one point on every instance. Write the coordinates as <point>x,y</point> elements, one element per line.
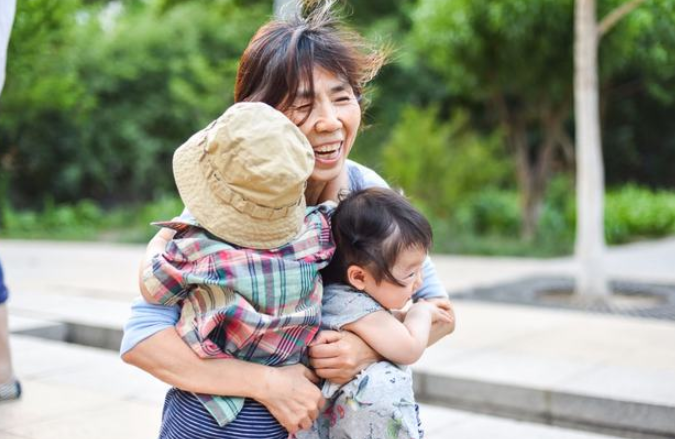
<point>244,264</point>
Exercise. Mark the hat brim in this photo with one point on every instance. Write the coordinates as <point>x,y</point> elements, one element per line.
<point>220,218</point>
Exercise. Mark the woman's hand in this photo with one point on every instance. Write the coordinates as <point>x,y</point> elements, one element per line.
<point>289,393</point>
<point>340,356</point>
<point>292,396</point>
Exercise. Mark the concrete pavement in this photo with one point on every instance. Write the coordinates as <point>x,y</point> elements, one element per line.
<point>605,373</point>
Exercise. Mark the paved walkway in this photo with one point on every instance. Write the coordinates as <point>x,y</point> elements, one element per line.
<point>562,367</point>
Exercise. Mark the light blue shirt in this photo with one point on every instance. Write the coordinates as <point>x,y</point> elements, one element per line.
<point>147,319</point>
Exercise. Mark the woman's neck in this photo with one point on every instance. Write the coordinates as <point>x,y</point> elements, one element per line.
<point>319,191</point>
<point>313,192</point>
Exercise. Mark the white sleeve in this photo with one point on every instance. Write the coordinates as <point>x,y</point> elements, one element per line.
<point>7,11</point>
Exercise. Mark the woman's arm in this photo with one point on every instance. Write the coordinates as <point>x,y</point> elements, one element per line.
<point>289,393</point>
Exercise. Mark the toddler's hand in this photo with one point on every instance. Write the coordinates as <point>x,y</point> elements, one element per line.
<point>438,314</point>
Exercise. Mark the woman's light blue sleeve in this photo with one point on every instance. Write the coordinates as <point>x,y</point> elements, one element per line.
<point>146,319</point>
<point>432,287</point>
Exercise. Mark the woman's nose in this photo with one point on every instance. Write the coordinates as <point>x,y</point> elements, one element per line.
<point>327,118</point>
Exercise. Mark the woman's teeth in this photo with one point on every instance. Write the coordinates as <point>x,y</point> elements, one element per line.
<point>328,152</point>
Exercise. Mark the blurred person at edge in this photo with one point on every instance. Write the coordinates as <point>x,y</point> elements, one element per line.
<point>10,388</point>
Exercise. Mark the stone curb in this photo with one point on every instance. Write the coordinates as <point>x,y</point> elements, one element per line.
<point>622,418</point>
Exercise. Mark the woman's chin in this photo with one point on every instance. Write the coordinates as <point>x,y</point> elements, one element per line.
<point>326,170</point>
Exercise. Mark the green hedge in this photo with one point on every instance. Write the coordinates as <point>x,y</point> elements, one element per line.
<point>487,223</point>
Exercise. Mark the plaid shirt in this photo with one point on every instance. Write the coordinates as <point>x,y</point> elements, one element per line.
<point>262,306</point>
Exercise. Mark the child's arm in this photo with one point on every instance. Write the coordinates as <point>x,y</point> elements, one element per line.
<point>399,342</point>
<point>155,247</point>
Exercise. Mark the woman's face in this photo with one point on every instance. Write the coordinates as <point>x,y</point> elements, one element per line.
<point>331,122</point>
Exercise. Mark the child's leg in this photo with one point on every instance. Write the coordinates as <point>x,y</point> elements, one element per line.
<point>185,417</point>
<point>379,403</point>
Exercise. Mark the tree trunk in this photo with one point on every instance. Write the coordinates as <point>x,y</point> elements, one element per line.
<point>530,202</point>
<point>590,239</point>
<point>533,170</point>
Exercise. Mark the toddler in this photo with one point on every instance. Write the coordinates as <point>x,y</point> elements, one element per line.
<point>382,242</point>
<point>244,264</point>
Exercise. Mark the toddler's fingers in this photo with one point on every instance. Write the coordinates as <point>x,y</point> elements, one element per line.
<point>325,337</point>
<point>445,316</point>
<point>445,305</point>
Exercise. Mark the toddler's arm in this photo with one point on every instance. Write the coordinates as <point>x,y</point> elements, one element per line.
<point>155,247</point>
<point>399,342</point>
<point>166,273</point>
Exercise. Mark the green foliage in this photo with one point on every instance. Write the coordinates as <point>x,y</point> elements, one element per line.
<point>98,111</point>
<point>633,212</point>
<point>77,221</point>
<point>490,212</point>
<point>516,48</point>
<point>488,222</point>
<point>439,164</point>
<point>85,220</point>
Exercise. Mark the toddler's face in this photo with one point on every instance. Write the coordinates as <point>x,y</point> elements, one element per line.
<point>408,271</point>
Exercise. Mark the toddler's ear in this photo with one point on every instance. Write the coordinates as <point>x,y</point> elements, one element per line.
<point>357,277</point>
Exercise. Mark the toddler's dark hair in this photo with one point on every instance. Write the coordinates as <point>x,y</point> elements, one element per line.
<point>371,227</point>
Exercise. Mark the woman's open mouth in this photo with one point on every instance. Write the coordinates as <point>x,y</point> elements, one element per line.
<point>328,152</point>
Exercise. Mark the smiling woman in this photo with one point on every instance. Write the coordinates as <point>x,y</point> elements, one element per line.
<point>314,71</point>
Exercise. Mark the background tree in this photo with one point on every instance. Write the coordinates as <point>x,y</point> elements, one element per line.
<point>492,53</point>
<point>85,115</point>
<point>590,237</point>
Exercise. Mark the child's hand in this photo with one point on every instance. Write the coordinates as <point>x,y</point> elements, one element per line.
<point>438,314</point>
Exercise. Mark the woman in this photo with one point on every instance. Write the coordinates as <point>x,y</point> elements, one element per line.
<point>314,72</point>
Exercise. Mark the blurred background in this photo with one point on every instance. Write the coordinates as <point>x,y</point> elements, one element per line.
<point>473,117</point>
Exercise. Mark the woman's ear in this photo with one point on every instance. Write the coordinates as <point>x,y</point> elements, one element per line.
<point>357,277</point>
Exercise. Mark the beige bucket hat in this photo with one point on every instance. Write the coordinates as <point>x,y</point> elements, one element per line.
<point>243,177</point>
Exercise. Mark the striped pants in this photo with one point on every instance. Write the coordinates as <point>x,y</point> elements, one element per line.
<point>184,417</point>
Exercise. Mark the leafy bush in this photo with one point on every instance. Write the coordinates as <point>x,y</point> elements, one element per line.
<point>488,222</point>
<point>490,212</point>
<point>99,94</point>
<point>633,212</point>
<point>440,164</point>
<point>87,221</point>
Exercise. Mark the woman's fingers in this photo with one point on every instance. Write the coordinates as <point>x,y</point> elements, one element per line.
<point>292,397</point>
<point>311,376</point>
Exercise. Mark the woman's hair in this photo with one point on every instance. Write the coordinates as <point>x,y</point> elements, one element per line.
<point>371,227</point>
<point>283,53</point>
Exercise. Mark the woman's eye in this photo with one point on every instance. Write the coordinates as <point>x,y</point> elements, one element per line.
<point>302,107</point>
<point>344,99</point>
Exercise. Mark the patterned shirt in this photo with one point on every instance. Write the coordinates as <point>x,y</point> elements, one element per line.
<point>255,305</point>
